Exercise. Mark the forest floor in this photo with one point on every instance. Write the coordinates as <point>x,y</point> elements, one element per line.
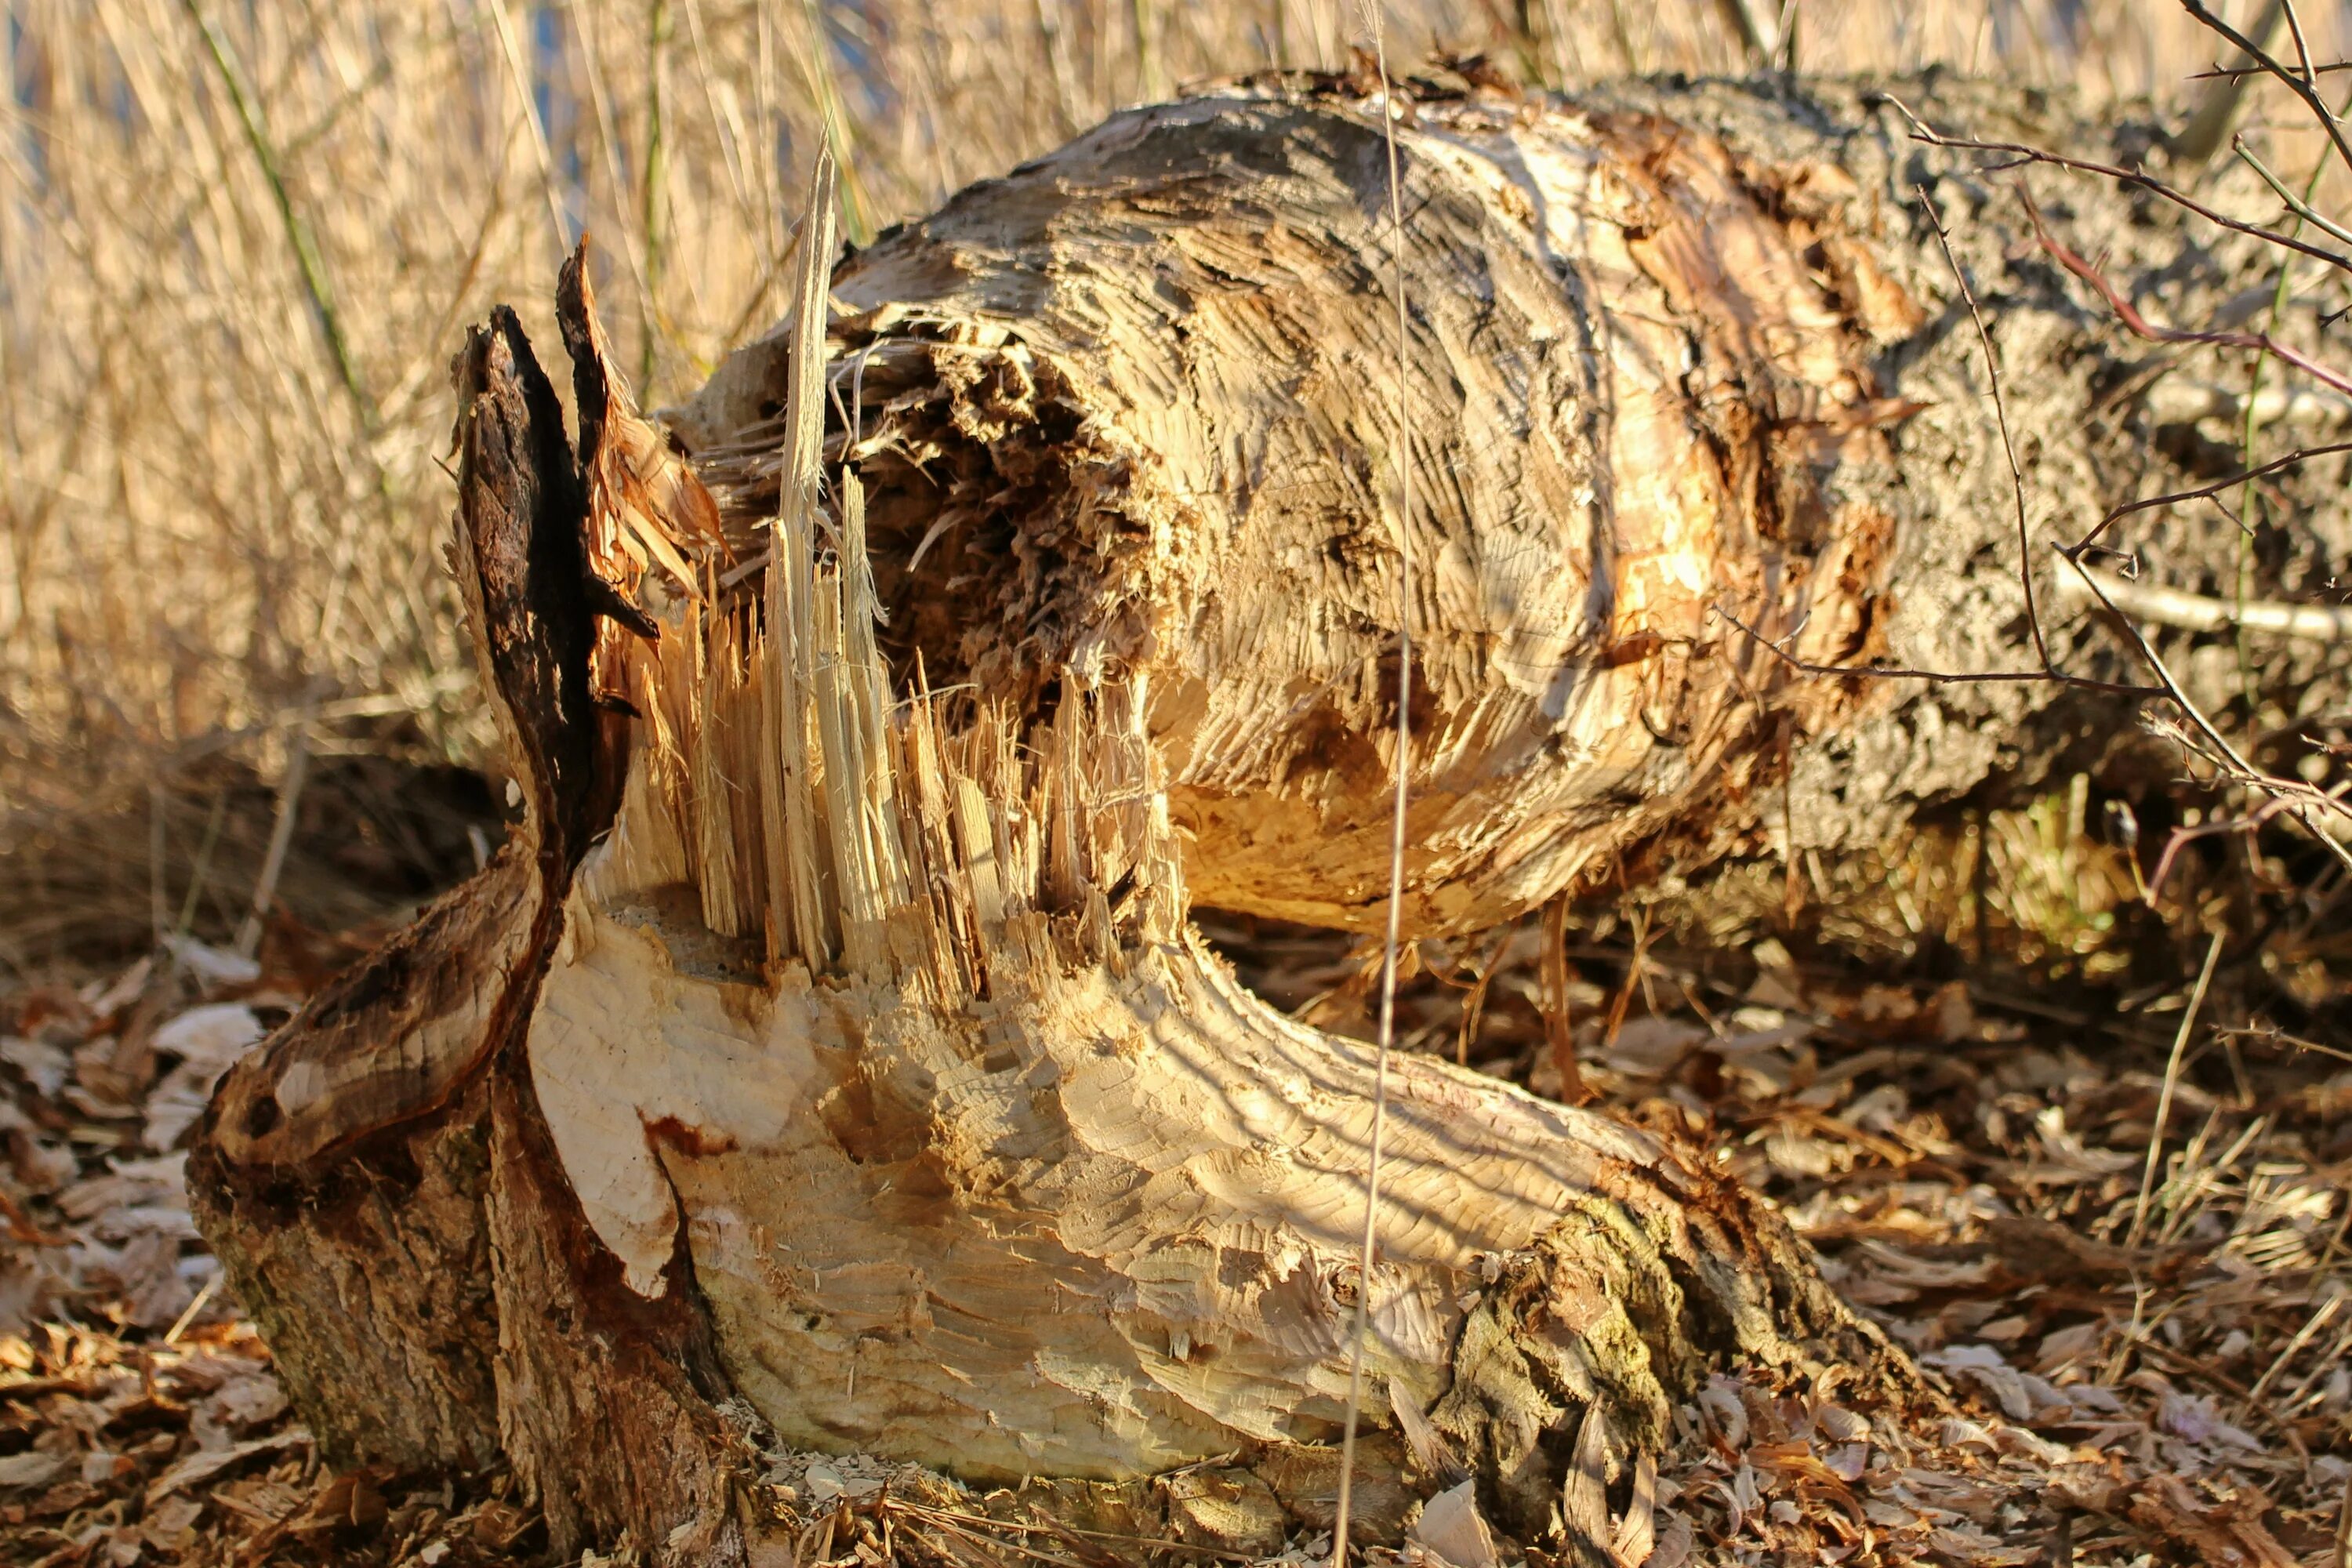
<point>2133,1379</point>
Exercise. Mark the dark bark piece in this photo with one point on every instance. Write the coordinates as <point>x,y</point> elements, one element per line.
<point>441,987</point>
<point>454,987</point>
<point>339,1171</point>
<point>376,1177</point>
<point>370,1280</point>
<point>608,1403</point>
<point>523,513</point>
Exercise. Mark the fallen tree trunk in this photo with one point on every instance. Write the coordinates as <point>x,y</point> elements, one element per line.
<point>1674,353</point>
<point>828,1060</point>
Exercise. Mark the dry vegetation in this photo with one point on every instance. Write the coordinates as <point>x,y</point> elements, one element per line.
<point>2105,1201</point>
<point>237,243</point>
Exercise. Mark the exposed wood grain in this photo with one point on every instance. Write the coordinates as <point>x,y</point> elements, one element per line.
<point>1674,348</point>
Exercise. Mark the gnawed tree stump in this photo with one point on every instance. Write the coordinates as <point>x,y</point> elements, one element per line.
<point>828,1060</point>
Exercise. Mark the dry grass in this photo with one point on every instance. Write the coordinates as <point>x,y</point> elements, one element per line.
<point>237,243</point>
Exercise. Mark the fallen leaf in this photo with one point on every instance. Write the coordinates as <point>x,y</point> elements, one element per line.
<point>1584,1492</point>
<point>1450,1527</point>
<point>23,1472</point>
<point>204,1464</point>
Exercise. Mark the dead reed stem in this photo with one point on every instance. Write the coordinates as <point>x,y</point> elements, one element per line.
<point>2172,1082</point>
<point>1385,1040</point>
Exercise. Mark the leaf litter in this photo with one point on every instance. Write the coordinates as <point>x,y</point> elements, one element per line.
<point>1967,1164</point>
<point>141,1421</point>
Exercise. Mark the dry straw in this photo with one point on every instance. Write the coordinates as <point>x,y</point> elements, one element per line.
<point>1366,1257</point>
<point>237,243</point>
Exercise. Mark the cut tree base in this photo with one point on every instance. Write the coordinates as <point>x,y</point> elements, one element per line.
<point>1096,1227</point>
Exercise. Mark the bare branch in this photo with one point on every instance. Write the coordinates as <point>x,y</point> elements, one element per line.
<point>2297,797</point>
<point>2305,85</point>
<point>1937,677</point>
<point>2140,327</point>
<point>2218,72</point>
<point>2000,415</point>
<point>2139,178</point>
<point>2173,498</point>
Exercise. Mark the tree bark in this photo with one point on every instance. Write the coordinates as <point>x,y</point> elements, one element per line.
<point>828,1060</point>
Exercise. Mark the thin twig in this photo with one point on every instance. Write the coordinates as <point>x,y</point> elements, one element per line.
<point>1023,1548</point>
<point>2164,1097</point>
<point>180,1325</point>
<point>198,878</point>
<point>1939,677</point>
<point>2155,661</point>
<point>2291,798</point>
<point>2281,1037</point>
<point>1474,1007</point>
<point>157,896</point>
<point>2251,422</point>
<point>2305,85</point>
<point>2000,415</point>
<point>282,835</point>
<point>2174,498</point>
<point>2141,179</point>
<point>2296,204</point>
<point>2240,768</point>
<point>2216,73</point>
<point>2243,770</point>
<point>2317,1321</point>
<point>1387,1036</point>
<point>1158,1544</point>
<point>2140,327</point>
